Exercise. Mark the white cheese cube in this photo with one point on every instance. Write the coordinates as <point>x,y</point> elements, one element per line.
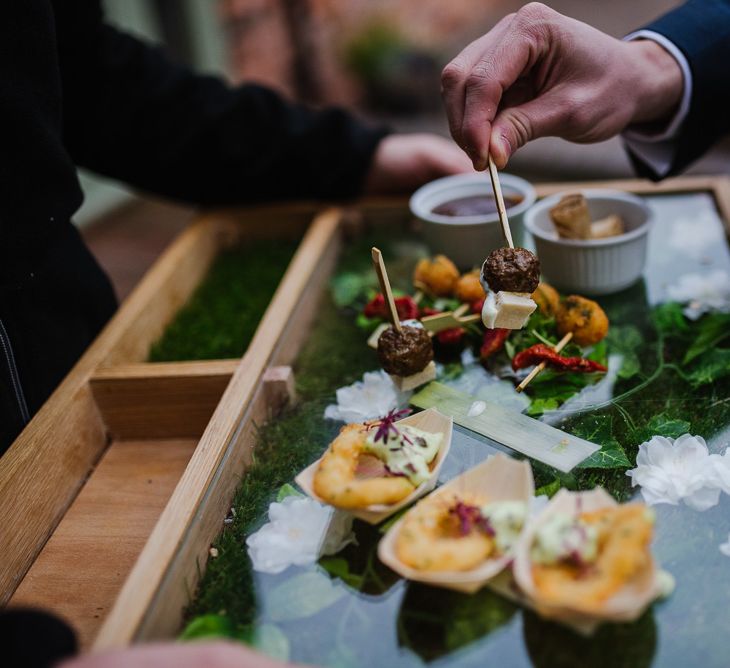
<point>507,310</point>
<point>406,383</point>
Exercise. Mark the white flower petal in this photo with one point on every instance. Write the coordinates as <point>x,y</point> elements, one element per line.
<point>702,293</point>
<point>671,471</point>
<point>372,397</point>
<point>299,531</point>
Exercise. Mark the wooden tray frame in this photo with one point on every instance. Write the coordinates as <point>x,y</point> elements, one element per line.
<point>152,600</point>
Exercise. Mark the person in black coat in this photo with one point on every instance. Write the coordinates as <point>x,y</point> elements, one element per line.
<point>539,73</point>
<point>76,92</point>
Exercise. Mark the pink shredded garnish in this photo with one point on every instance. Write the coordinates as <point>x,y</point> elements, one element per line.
<point>386,425</point>
<point>470,517</point>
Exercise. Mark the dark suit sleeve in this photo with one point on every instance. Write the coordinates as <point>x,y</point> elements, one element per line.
<point>131,114</point>
<point>701,30</point>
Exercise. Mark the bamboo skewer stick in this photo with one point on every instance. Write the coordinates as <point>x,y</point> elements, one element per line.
<point>540,367</point>
<point>385,287</point>
<point>497,188</point>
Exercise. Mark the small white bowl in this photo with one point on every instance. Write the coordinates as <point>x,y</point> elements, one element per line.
<point>593,266</point>
<point>467,240</point>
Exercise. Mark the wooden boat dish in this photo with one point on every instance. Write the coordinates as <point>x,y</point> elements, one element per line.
<point>499,478</point>
<point>625,606</point>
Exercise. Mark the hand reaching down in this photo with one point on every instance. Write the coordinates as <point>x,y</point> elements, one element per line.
<point>538,73</point>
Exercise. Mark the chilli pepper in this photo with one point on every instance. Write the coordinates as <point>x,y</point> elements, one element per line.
<point>493,342</point>
<point>451,337</point>
<point>405,306</point>
<point>542,353</point>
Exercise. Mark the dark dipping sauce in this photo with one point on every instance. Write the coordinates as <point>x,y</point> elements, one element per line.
<point>475,205</point>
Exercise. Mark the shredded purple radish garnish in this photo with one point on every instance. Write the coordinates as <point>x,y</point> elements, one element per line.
<point>470,517</point>
<point>386,425</point>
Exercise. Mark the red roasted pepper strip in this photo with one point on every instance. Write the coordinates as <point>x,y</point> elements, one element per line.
<point>493,342</point>
<point>405,306</point>
<point>542,353</point>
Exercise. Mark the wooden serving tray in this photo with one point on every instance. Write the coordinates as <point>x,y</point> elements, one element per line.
<point>110,498</point>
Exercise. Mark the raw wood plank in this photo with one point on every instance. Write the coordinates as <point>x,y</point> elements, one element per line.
<point>153,598</point>
<point>162,400</point>
<point>79,572</point>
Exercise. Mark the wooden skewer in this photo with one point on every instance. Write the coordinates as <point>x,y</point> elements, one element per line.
<point>497,188</point>
<point>385,287</point>
<point>540,367</point>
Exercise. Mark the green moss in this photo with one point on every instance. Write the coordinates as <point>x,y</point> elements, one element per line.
<point>334,355</point>
<point>221,317</point>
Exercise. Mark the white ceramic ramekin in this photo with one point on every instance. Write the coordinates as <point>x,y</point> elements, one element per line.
<point>592,266</point>
<point>467,240</point>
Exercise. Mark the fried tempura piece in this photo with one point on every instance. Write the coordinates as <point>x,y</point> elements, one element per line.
<point>468,288</point>
<point>335,481</point>
<point>610,226</point>
<point>430,538</point>
<point>584,317</point>
<point>571,217</point>
<point>547,299</point>
<point>624,535</point>
<point>438,276</point>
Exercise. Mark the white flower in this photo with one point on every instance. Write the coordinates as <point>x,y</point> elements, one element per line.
<point>721,470</point>
<point>694,237</point>
<point>670,471</point>
<point>372,397</point>
<point>725,547</point>
<point>299,531</point>
<point>702,293</point>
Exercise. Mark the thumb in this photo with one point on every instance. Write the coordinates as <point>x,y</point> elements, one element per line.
<point>515,126</point>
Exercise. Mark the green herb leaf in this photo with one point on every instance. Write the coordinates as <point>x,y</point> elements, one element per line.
<point>709,367</point>
<point>669,319</point>
<point>714,328</point>
<point>302,596</point>
<point>339,568</point>
<point>287,490</point>
<point>626,340</point>
<point>549,489</point>
<point>208,626</point>
<point>348,288</point>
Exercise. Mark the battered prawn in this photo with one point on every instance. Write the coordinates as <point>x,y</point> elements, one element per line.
<point>335,481</point>
<point>432,536</point>
<point>624,534</point>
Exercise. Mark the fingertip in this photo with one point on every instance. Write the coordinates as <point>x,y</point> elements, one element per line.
<point>501,150</point>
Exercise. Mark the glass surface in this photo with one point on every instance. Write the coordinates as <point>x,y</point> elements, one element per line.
<point>379,619</point>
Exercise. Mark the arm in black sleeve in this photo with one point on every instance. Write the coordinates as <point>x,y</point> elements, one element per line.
<point>131,114</point>
<point>701,31</point>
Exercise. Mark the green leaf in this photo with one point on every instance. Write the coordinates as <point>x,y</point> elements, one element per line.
<point>598,429</point>
<point>626,340</point>
<point>661,425</point>
<point>610,456</point>
<point>714,328</point>
<point>347,288</point>
<point>709,367</point>
<point>338,567</point>
<point>669,319</point>
<point>288,490</point>
<point>302,596</point>
<point>368,324</point>
<point>208,626</point>
<point>549,489</point>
